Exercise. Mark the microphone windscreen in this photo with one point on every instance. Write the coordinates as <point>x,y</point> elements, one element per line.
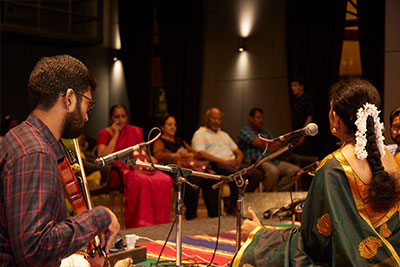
<point>311,129</point>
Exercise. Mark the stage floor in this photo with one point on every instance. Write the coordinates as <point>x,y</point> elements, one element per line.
<point>199,234</point>
<point>260,202</point>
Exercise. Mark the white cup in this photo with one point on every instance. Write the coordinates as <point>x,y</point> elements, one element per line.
<point>130,240</point>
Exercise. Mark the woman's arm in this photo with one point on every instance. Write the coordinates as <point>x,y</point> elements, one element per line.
<point>190,150</point>
<point>161,153</point>
<point>105,144</point>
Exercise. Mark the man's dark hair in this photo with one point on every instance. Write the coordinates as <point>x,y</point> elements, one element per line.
<point>54,75</point>
<point>298,79</point>
<point>254,110</point>
<point>394,114</point>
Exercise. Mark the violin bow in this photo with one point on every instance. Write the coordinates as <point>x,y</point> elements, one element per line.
<point>86,196</point>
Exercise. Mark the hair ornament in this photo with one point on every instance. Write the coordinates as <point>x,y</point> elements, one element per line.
<point>361,123</point>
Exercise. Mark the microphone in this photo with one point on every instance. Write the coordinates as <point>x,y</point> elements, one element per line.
<point>309,169</point>
<point>121,154</point>
<point>268,214</point>
<point>311,129</point>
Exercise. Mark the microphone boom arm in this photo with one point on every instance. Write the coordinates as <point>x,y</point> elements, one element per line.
<point>187,172</point>
<point>181,174</point>
<point>275,154</point>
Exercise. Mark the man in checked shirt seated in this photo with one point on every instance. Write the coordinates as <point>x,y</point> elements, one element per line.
<point>34,230</point>
<point>279,175</point>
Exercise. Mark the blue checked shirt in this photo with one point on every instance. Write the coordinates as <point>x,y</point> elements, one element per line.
<point>34,230</point>
<point>246,137</point>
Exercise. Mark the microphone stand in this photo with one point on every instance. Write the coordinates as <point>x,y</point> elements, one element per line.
<point>239,214</point>
<point>241,184</point>
<point>180,174</point>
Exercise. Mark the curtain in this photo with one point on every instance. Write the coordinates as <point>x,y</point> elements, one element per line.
<point>181,50</point>
<point>315,36</point>
<point>181,53</point>
<point>136,30</point>
<point>371,29</point>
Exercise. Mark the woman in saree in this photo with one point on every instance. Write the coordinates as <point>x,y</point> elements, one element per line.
<point>351,214</point>
<point>147,192</point>
<point>172,149</point>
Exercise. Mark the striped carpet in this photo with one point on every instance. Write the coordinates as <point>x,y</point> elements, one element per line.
<point>199,249</point>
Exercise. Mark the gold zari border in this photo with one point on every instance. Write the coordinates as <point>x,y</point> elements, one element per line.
<point>360,205</point>
<point>250,238</point>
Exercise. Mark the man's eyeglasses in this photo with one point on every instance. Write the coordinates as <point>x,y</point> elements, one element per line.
<point>92,102</point>
<point>395,128</point>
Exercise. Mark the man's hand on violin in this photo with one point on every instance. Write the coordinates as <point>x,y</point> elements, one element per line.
<point>108,236</point>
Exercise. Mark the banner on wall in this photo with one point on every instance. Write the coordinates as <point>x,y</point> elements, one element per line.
<point>160,108</point>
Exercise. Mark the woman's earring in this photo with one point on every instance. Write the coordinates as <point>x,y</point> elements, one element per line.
<point>334,130</point>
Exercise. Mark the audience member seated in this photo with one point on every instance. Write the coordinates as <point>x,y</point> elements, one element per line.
<point>172,149</point>
<point>147,192</point>
<point>279,175</point>
<point>216,146</point>
<point>395,133</point>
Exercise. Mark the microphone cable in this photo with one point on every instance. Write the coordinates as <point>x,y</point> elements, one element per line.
<point>265,149</point>
<point>219,225</point>
<point>150,142</point>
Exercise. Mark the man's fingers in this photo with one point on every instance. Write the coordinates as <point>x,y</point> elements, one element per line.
<point>253,215</point>
<point>110,239</point>
<point>102,240</point>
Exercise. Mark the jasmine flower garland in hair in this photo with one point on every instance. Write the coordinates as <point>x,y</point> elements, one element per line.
<point>361,123</point>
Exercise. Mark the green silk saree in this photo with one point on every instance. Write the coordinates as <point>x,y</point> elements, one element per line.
<point>335,231</point>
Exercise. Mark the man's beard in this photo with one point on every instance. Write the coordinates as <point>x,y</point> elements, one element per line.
<point>73,124</point>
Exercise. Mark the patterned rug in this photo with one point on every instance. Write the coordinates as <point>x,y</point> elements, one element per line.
<point>199,249</point>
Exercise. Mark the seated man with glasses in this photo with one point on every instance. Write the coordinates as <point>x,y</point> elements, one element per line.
<point>395,133</point>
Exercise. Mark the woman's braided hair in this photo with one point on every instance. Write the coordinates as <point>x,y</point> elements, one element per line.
<point>347,97</point>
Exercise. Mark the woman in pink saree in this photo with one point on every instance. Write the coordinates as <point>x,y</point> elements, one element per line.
<point>147,192</point>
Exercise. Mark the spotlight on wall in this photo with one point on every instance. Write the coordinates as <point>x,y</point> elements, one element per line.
<point>242,45</point>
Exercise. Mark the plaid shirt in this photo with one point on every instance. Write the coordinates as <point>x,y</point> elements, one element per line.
<point>250,152</point>
<point>34,230</point>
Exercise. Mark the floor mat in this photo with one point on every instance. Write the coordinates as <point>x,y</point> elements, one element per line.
<point>199,249</point>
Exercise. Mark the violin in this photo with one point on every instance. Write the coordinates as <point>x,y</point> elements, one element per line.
<point>75,185</point>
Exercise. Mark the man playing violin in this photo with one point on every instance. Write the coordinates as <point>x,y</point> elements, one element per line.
<point>34,229</point>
